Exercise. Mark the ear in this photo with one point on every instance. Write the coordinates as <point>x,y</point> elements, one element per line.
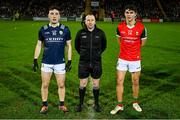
<point>59,16</point>
<point>135,15</point>
<point>48,15</point>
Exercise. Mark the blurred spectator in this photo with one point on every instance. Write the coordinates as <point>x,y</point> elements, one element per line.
<point>16,15</point>
<point>112,16</point>
<point>33,8</point>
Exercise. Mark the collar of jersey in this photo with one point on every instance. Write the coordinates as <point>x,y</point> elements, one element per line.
<point>129,25</point>
<point>53,26</point>
<point>88,30</point>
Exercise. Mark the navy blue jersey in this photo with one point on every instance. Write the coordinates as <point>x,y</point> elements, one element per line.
<point>54,40</point>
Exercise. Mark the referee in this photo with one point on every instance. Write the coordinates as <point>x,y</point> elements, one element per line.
<point>90,43</point>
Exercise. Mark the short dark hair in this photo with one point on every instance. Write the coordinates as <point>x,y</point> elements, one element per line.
<point>90,14</point>
<point>130,7</point>
<point>54,7</point>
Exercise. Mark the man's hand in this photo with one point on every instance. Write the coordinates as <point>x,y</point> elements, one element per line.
<point>35,65</point>
<point>68,66</point>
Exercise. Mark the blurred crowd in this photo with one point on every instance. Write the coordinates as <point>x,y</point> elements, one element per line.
<point>33,8</point>
<point>146,8</point>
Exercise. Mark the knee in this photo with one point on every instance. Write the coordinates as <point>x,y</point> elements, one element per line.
<point>95,84</point>
<point>120,81</point>
<point>45,86</point>
<point>83,83</point>
<point>135,82</point>
<point>61,86</point>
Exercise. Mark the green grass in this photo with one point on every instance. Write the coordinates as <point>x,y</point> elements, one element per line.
<point>159,85</point>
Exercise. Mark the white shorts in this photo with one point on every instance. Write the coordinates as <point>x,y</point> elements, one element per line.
<point>56,68</point>
<point>131,66</point>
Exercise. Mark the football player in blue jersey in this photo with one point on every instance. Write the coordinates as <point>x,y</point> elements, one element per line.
<point>53,37</point>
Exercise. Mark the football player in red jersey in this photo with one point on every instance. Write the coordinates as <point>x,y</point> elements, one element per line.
<point>132,35</point>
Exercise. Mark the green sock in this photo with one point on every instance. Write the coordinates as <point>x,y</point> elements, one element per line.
<point>120,102</point>
<point>135,99</point>
<point>61,103</point>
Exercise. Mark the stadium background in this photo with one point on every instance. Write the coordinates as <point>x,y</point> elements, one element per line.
<point>168,10</point>
<point>159,84</point>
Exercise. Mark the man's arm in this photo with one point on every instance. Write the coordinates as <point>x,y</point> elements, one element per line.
<point>144,37</point>
<point>36,55</point>
<point>69,49</point>
<point>118,36</point>
<point>119,40</point>
<point>69,52</point>
<point>37,49</point>
<point>104,42</point>
<point>143,42</point>
<point>77,43</point>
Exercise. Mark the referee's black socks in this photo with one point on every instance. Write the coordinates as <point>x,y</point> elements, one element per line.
<point>82,91</point>
<point>96,95</point>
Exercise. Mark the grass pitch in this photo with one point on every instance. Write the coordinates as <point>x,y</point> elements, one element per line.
<point>159,83</point>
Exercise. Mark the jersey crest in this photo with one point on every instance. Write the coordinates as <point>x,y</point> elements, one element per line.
<point>62,29</point>
<point>45,27</point>
<point>62,26</point>
<point>60,32</point>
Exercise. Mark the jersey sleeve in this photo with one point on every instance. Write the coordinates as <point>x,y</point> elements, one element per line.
<point>144,34</point>
<point>68,34</point>
<point>78,42</point>
<point>40,35</point>
<point>104,42</point>
<point>117,33</point>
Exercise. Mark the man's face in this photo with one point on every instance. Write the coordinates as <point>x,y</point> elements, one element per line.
<point>130,15</point>
<point>54,16</point>
<point>90,21</point>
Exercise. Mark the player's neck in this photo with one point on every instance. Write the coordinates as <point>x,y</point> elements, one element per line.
<point>91,29</point>
<point>131,23</point>
<point>53,24</point>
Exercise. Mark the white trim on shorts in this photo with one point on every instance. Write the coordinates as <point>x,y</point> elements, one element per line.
<point>131,66</point>
<point>56,68</point>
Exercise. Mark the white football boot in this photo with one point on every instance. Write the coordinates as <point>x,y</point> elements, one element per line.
<point>137,107</point>
<point>117,109</point>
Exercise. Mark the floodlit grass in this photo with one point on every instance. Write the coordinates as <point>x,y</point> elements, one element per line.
<point>159,85</point>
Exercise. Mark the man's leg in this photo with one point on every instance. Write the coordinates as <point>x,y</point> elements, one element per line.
<point>96,94</point>
<point>135,81</point>
<point>46,76</point>
<point>119,91</point>
<point>61,91</point>
<point>119,85</point>
<point>135,87</point>
<point>96,73</point>
<point>82,91</point>
<point>83,74</point>
<point>61,86</point>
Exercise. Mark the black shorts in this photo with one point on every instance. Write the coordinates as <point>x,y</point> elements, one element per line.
<point>84,70</point>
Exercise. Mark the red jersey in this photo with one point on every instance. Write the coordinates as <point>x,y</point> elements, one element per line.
<point>130,45</point>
